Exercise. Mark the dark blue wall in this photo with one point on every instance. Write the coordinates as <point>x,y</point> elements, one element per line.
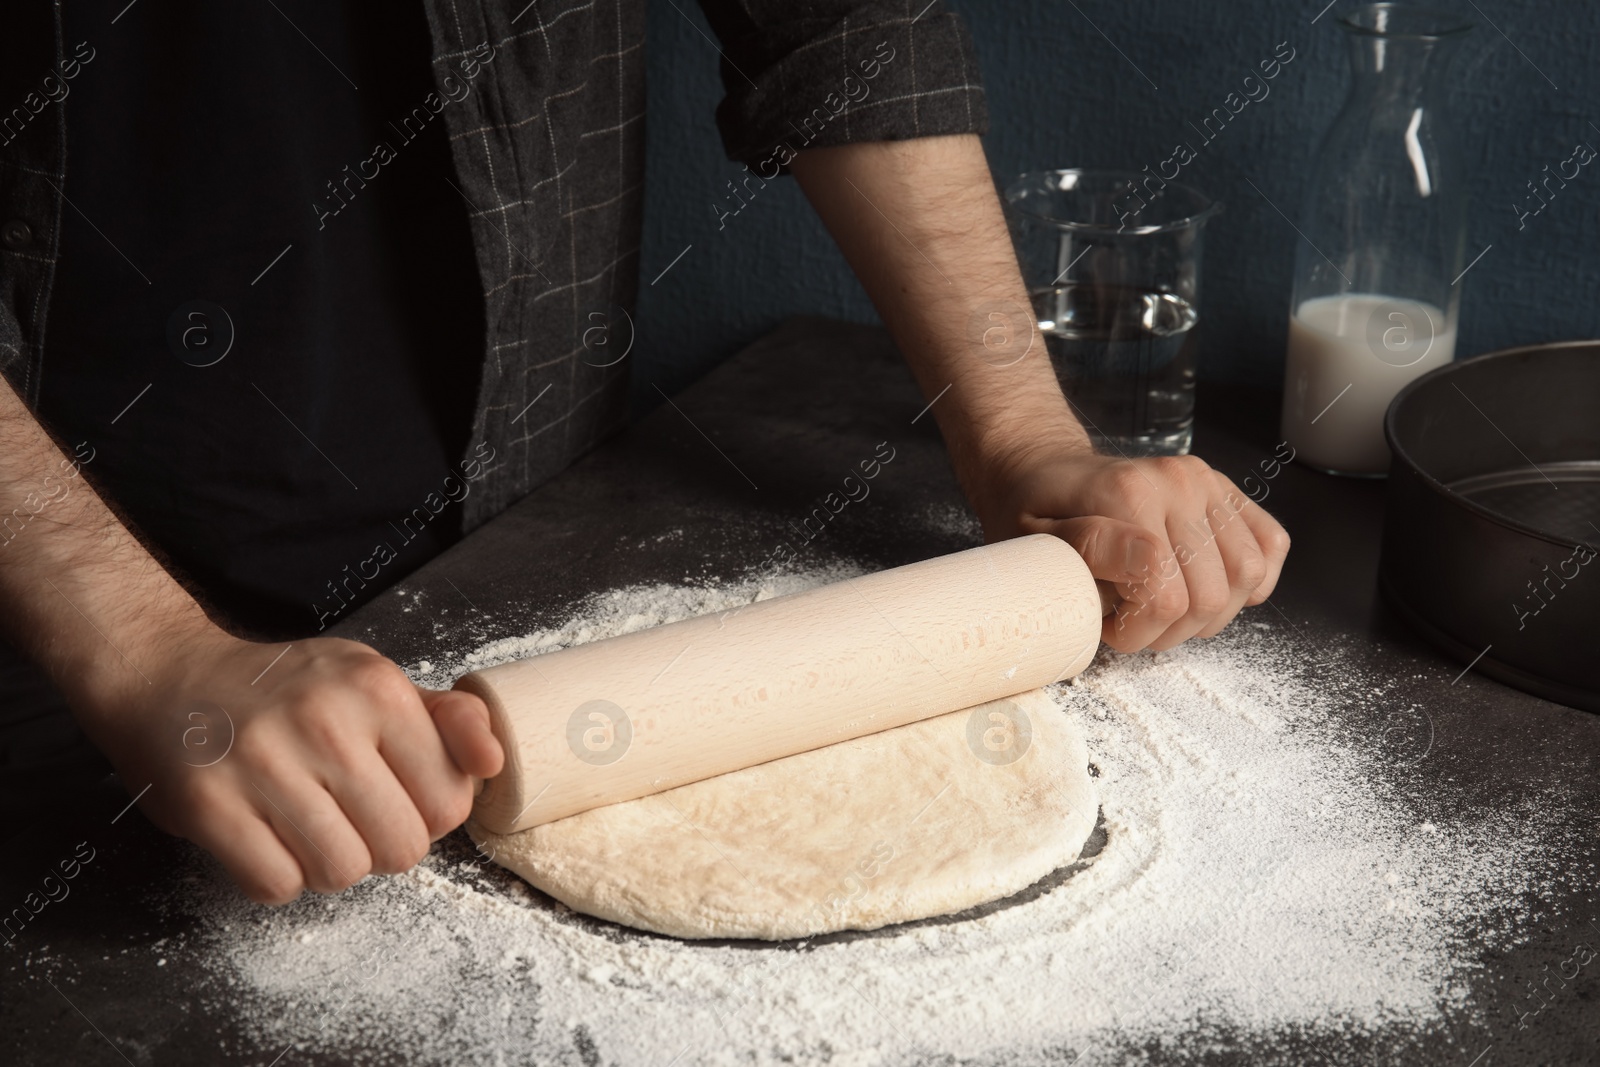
<point>1060,94</point>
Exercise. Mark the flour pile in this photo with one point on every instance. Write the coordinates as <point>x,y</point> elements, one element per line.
<point>1270,868</point>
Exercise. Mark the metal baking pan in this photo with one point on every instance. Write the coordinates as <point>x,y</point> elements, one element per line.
<point>1492,524</point>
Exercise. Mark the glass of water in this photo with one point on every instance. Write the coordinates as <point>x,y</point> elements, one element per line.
<point>1112,263</point>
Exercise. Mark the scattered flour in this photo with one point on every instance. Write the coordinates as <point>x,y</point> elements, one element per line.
<point>954,520</point>
<point>1266,871</point>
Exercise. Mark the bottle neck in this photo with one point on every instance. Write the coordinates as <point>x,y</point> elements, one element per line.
<point>1398,72</point>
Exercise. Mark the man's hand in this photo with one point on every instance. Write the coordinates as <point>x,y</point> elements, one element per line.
<point>921,224</point>
<point>311,770</point>
<point>1185,549</point>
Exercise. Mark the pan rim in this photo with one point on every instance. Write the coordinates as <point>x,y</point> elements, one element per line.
<point>1401,456</point>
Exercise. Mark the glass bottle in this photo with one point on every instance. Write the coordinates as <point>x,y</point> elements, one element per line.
<point>1375,299</point>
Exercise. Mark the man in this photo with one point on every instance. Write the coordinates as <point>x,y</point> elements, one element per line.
<point>291,281</point>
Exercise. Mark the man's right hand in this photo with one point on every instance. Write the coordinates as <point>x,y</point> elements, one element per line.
<point>301,769</point>
<point>309,770</point>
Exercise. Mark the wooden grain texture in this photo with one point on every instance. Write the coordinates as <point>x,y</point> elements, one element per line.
<point>638,714</point>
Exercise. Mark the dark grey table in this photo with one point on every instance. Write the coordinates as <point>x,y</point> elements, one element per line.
<point>735,462</point>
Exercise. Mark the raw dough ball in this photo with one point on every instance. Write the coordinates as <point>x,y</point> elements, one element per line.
<point>926,819</point>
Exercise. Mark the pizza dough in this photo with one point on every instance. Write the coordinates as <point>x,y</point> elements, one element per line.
<point>926,819</point>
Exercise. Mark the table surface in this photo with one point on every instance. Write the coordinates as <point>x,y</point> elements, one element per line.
<point>731,462</point>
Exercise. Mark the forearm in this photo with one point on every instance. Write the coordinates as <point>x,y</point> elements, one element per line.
<point>84,598</point>
<point>921,225</point>
<point>333,767</point>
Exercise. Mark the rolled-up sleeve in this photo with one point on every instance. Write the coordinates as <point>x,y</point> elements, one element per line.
<point>804,75</point>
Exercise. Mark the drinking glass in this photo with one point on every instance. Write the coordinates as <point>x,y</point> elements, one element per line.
<point>1112,263</point>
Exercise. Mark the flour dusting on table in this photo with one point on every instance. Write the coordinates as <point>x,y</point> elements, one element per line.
<point>1271,867</point>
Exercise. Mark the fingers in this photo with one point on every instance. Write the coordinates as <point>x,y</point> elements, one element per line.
<point>1113,550</point>
<point>1273,541</point>
<point>1242,558</point>
<point>336,771</point>
<point>250,850</point>
<point>1220,551</point>
<point>313,827</point>
<point>1131,557</point>
<point>382,812</point>
<point>439,790</point>
<point>1127,556</point>
<point>1205,576</point>
<point>463,723</point>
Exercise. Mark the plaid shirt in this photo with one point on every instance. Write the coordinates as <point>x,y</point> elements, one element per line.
<point>549,154</point>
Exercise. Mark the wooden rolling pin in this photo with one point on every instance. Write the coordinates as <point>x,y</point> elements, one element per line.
<point>648,711</point>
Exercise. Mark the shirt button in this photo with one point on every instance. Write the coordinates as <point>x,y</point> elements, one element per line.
<point>16,234</point>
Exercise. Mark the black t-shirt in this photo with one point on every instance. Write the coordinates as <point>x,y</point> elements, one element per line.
<point>272,389</point>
